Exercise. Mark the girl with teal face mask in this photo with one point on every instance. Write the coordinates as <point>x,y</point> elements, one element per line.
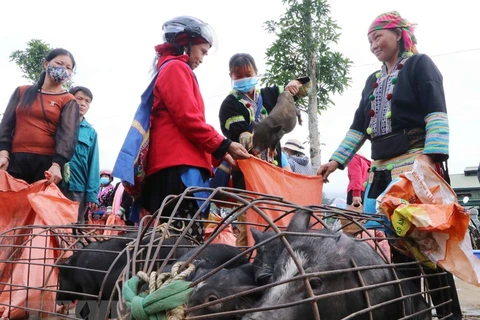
<point>247,103</point>
<point>245,85</point>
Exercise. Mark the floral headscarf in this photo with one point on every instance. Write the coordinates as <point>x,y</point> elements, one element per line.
<point>393,20</point>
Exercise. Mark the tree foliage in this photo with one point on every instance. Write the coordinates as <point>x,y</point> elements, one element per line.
<point>30,60</point>
<point>305,30</point>
<point>304,45</point>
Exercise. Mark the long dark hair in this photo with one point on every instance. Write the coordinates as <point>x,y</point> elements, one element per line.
<point>31,93</point>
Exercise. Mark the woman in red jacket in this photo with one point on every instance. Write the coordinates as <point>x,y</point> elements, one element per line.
<point>181,142</point>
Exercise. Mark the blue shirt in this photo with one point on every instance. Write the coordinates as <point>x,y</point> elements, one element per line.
<point>84,166</point>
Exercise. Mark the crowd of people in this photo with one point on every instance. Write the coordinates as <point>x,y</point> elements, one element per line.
<point>44,133</point>
<point>402,111</point>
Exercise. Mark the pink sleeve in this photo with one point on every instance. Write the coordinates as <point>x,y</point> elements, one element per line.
<point>355,176</point>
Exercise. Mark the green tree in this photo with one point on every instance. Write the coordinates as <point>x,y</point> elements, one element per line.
<point>305,34</point>
<point>30,61</point>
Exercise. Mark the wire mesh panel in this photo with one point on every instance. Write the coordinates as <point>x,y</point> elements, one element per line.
<point>298,263</point>
<point>259,257</point>
<point>66,271</point>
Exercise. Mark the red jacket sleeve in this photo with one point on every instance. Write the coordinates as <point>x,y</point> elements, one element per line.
<point>354,169</point>
<point>181,96</point>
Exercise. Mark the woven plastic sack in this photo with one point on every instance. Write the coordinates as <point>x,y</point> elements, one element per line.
<point>421,206</point>
<point>21,205</point>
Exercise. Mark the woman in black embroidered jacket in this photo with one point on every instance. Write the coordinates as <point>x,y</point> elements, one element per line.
<point>402,110</point>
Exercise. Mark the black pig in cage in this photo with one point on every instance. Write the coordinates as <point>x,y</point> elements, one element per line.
<point>297,262</point>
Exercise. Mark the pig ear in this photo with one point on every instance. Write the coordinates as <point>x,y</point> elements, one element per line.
<point>344,246</point>
<point>256,234</point>
<point>300,220</point>
<point>247,268</point>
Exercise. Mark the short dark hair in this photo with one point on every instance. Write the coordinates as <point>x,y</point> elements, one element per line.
<point>82,89</point>
<point>240,60</point>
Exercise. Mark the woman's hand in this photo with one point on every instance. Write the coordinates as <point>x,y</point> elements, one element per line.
<point>54,174</point>
<point>4,160</point>
<point>356,201</point>
<point>230,160</point>
<point>326,169</point>
<point>237,151</point>
<point>293,87</point>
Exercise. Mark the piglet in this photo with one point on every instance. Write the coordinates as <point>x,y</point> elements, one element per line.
<point>282,119</point>
<point>225,283</point>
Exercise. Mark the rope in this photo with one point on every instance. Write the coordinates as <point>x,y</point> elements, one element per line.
<point>166,295</point>
<point>165,228</point>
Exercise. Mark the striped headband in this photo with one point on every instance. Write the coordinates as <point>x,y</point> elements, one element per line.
<point>393,20</point>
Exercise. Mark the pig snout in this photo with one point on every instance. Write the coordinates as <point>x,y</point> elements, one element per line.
<point>226,283</point>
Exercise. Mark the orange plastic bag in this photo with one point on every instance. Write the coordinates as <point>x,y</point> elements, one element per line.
<point>263,177</point>
<point>224,237</point>
<point>114,220</point>
<point>35,204</point>
<point>423,207</point>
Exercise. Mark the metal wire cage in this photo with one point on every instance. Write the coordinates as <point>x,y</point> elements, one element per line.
<point>314,262</point>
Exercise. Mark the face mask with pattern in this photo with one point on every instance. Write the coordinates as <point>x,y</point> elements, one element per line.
<point>58,74</point>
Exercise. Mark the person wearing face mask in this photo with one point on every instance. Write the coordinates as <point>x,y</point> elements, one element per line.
<point>80,175</point>
<point>182,145</point>
<point>39,129</point>
<point>104,198</point>
<point>239,109</point>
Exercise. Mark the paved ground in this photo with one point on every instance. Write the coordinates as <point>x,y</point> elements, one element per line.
<point>469,296</point>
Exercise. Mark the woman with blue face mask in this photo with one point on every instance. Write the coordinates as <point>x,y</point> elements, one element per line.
<point>240,109</point>
<point>105,196</point>
<point>39,129</point>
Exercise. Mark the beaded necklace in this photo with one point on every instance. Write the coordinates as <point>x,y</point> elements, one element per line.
<point>380,100</point>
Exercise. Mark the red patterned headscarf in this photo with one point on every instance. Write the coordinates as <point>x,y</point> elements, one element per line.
<point>393,20</point>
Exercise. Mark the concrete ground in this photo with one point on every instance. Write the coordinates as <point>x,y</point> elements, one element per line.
<point>469,296</point>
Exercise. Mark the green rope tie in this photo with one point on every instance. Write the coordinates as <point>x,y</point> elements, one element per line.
<point>164,300</point>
